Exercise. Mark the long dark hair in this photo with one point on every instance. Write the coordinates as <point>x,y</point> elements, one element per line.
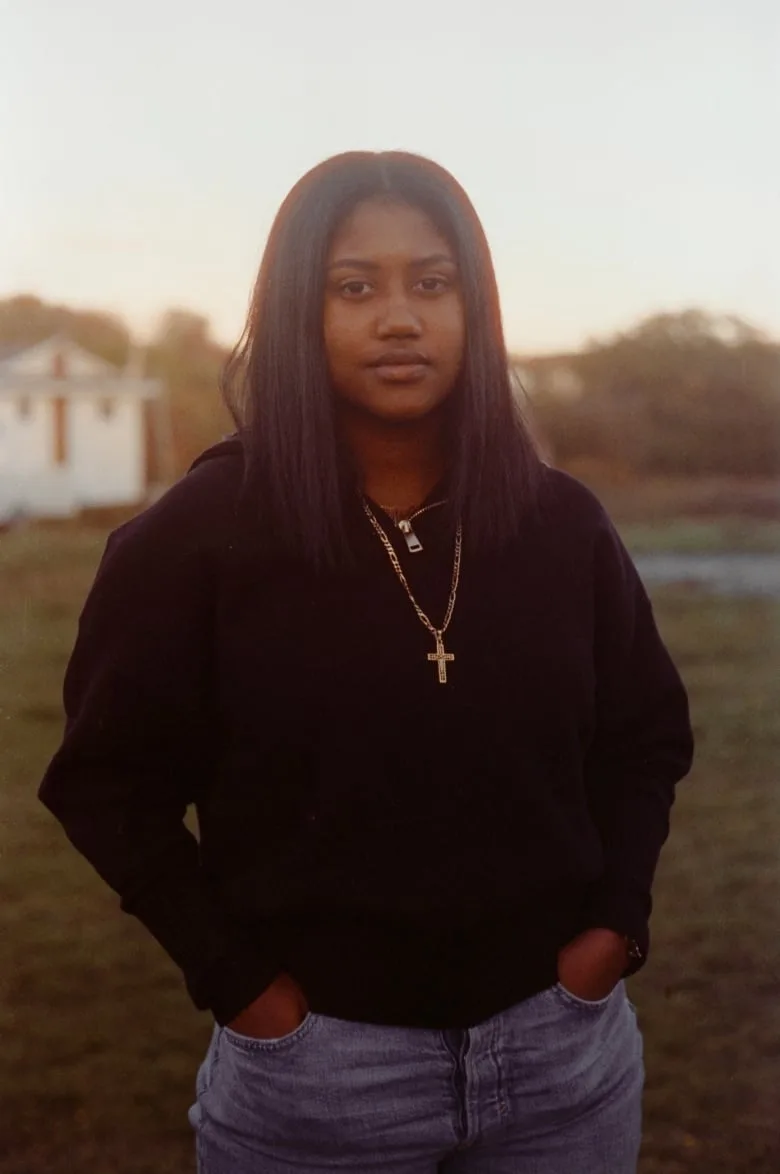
<point>276,382</point>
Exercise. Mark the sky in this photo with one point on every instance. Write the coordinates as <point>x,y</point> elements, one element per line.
<point>621,153</point>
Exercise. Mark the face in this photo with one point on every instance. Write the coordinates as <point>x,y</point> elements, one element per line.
<point>394,320</point>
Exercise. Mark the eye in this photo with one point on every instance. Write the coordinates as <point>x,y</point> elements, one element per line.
<point>433,285</point>
<point>355,288</point>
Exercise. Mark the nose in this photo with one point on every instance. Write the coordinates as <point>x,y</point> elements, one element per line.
<point>397,319</point>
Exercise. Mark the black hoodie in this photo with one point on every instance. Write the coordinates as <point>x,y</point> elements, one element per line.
<point>411,852</point>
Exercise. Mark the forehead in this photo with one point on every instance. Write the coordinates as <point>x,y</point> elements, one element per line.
<point>382,228</point>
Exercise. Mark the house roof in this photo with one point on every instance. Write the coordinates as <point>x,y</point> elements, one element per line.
<point>59,365</point>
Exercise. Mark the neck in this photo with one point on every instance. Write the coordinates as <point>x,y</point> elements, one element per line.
<point>398,464</point>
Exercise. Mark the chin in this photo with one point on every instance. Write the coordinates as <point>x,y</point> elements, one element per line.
<point>400,407</point>
<point>404,413</point>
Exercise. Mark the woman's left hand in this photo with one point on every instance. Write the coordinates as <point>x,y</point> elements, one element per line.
<point>591,965</point>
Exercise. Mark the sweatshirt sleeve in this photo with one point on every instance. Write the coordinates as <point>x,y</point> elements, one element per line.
<point>643,744</point>
<point>138,745</point>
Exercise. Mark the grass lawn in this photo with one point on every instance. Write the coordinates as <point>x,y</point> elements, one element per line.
<point>100,1044</point>
<point>695,516</point>
<point>700,536</point>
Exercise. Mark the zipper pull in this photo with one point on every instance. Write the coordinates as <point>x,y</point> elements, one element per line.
<point>412,541</point>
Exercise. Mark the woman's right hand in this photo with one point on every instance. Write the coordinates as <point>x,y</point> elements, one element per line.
<point>278,1011</point>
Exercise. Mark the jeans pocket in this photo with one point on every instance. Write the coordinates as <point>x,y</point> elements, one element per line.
<point>573,1000</point>
<point>250,1043</point>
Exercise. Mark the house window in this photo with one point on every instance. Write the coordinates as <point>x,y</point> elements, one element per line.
<point>106,407</point>
<point>60,410</point>
<point>24,407</point>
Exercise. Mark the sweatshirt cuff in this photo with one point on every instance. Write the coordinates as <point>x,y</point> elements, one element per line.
<point>624,913</point>
<point>231,984</point>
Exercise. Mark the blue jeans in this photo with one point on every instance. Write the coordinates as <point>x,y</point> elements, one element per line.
<point>552,1085</point>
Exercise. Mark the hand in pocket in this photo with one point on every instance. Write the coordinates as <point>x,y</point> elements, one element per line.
<point>591,966</point>
<point>277,1012</point>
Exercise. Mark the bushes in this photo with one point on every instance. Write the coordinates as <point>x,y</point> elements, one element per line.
<point>681,395</point>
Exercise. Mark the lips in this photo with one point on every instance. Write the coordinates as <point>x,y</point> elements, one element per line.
<point>401,367</point>
<point>400,359</point>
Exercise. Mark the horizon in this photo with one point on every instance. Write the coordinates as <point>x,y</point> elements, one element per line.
<point>619,163</point>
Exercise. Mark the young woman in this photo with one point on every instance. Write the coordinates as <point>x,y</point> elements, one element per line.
<point>412,683</point>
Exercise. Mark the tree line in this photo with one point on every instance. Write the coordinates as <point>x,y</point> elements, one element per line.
<point>685,394</point>
<point>688,394</point>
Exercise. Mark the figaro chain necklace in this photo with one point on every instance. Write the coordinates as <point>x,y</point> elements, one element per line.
<point>441,657</point>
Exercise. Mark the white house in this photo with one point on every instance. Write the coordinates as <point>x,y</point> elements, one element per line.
<point>75,431</point>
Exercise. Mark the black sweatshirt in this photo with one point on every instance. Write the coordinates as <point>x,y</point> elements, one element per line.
<point>411,852</point>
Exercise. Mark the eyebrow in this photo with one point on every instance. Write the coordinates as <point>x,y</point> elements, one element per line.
<point>361,263</point>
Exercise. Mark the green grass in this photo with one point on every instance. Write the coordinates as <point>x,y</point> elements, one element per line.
<point>100,1043</point>
<point>699,536</point>
<point>710,999</point>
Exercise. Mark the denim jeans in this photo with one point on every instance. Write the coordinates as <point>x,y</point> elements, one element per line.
<point>552,1085</point>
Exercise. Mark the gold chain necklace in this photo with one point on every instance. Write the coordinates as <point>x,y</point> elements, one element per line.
<point>440,656</point>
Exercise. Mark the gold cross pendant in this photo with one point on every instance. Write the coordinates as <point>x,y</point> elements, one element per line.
<point>442,658</point>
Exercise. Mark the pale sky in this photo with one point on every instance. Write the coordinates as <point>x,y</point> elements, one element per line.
<point>622,154</point>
